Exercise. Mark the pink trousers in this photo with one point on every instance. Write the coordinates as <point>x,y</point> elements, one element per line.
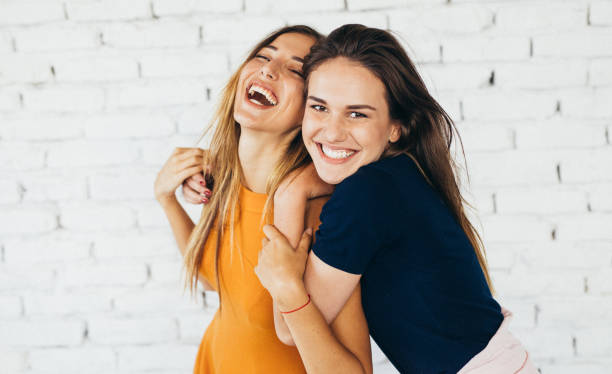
<point>503,355</point>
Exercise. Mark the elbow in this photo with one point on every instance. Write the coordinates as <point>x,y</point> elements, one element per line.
<point>285,338</point>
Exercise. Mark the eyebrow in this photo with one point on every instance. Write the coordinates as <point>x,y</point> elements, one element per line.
<point>296,58</point>
<point>357,106</point>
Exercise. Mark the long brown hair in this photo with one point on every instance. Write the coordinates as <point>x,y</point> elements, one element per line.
<point>426,129</point>
<point>220,213</point>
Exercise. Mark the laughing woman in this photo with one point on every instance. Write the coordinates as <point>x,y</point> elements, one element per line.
<point>395,223</point>
<point>256,144</point>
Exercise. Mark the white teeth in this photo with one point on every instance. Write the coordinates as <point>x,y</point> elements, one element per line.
<point>337,154</point>
<point>269,95</point>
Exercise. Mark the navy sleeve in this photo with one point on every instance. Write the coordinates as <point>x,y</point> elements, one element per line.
<point>355,222</point>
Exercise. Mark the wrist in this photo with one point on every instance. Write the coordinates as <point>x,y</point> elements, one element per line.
<point>291,296</point>
<point>167,200</point>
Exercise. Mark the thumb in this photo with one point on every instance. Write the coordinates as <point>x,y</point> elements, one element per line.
<point>272,233</point>
<point>304,243</point>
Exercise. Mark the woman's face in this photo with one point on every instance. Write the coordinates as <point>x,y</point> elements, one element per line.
<point>346,121</point>
<point>270,87</point>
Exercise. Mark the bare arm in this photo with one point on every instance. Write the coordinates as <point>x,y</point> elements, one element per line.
<point>182,163</point>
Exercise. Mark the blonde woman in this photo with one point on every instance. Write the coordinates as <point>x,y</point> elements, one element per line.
<point>256,144</point>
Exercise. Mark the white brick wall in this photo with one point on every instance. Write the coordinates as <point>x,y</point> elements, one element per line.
<point>94,94</point>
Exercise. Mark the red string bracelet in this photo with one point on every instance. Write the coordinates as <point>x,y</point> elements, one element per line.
<point>295,310</point>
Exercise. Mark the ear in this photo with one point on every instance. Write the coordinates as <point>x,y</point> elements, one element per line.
<point>396,132</point>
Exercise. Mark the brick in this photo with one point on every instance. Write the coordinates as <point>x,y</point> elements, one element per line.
<point>6,42</point>
<point>91,153</point>
<point>99,216</point>
<point>193,63</point>
<point>152,244</point>
<point>512,168</point>
<point>593,226</point>
<point>485,136</point>
<point>41,333</point>
<point>134,185</point>
<point>157,93</point>
<point>584,43</point>
<point>600,13</point>
<point>485,48</point>
<point>541,17</point>
<point>53,186</point>
<point>541,74</point>
<point>49,127</point>
<point>600,281</point>
<point>546,200</point>
<point>74,360</point>
<point>271,6</point>
<point>108,10</point>
<point>446,19</point>
<point>95,68</point>
<point>565,367</point>
<point>591,103</point>
<point>590,165</point>
<point>557,134</point>
<point>156,34</point>
<point>561,313</point>
<point>600,198</point>
<point>111,331</point>
<point>600,72</point>
<point>150,214</point>
<point>526,283</point>
<point>167,272</point>
<point>65,304</point>
<point>594,341</point>
<point>9,191</point>
<point>27,220</point>
<point>585,255</point>
<point>13,361</point>
<point>20,156</point>
<point>9,100</point>
<point>45,249</point>
<point>195,119</point>
<point>222,30</point>
<point>171,7</point>
<point>57,37</point>
<point>111,274</point>
<point>128,125</point>
<point>493,105</point>
<point>64,99</point>
<point>26,277</point>
<point>544,343</point>
<point>16,12</point>
<point>18,68</point>
<point>353,5</point>
<point>515,228</point>
<point>455,76</point>
<point>10,306</point>
<point>420,49</point>
<point>156,357</point>
<point>325,23</point>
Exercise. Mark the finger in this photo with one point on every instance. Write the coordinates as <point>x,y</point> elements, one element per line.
<point>196,186</point>
<point>190,161</point>
<point>189,171</point>
<point>304,243</point>
<point>272,233</point>
<point>184,153</point>
<point>192,196</point>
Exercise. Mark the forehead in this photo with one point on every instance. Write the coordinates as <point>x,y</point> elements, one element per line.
<point>293,43</point>
<point>344,82</point>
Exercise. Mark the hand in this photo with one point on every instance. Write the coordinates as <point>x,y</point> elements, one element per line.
<point>303,183</point>
<point>280,268</point>
<point>196,189</point>
<point>182,163</point>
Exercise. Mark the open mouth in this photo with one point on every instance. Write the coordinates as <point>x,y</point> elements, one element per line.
<point>261,96</point>
<point>336,154</point>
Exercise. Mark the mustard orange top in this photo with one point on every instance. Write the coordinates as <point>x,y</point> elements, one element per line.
<point>241,337</point>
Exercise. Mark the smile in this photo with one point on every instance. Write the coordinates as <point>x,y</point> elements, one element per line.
<point>335,156</point>
<point>260,95</point>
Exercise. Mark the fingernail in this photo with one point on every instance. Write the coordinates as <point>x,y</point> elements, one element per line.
<point>204,200</point>
<point>202,183</point>
<point>207,193</point>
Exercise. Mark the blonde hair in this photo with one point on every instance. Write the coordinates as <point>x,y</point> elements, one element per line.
<point>222,157</point>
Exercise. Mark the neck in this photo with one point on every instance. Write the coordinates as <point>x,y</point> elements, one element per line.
<point>259,153</point>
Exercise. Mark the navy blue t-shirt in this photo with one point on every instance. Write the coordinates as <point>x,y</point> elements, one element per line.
<point>424,294</point>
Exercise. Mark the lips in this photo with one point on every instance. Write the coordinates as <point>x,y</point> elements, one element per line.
<point>260,94</point>
<point>335,155</point>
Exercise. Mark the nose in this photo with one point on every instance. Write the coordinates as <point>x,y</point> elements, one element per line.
<point>269,70</point>
<point>334,130</point>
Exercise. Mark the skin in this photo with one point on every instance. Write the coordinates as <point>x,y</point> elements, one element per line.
<point>346,109</point>
<point>265,133</point>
